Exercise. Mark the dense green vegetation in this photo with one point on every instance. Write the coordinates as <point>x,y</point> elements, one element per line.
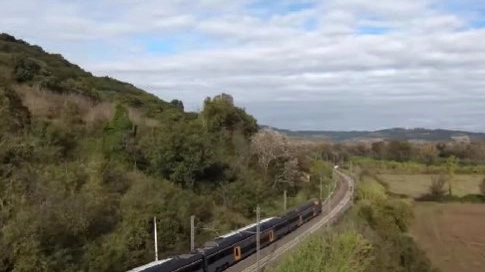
<point>372,237</point>
<point>87,162</point>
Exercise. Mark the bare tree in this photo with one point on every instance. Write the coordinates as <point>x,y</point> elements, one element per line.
<point>427,153</point>
<point>451,164</point>
<point>289,174</point>
<point>437,187</point>
<point>269,145</point>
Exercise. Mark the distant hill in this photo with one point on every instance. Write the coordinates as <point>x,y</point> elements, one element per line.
<point>417,134</point>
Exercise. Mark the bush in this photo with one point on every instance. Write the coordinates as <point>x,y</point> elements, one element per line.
<point>346,251</point>
<point>482,187</point>
<point>25,69</point>
<point>437,188</point>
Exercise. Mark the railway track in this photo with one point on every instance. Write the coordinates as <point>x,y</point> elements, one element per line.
<point>339,202</point>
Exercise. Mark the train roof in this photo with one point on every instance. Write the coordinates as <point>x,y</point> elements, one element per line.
<point>236,235</point>
<point>245,228</point>
<point>168,264</point>
<point>302,206</point>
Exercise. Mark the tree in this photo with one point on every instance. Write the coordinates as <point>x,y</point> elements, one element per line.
<point>181,154</point>
<point>427,153</point>
<point>25,69</point>
<point>320,169</point>
<point>220,115</point>
<point>178,104</point>
<point>378,150</point>
<point>437,188</point>
<point>268,145</point>
<point>451,164</point>
<point>399,151</point>
<point>482,187</point>
<point>225,98</point>
<point>289,173</point>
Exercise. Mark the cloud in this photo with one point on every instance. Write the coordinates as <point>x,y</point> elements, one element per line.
<point>336,64</point>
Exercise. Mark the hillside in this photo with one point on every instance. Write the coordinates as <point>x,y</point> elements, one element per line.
<point>87,162</point>
<point>417,134</point>
<point>32,67</point>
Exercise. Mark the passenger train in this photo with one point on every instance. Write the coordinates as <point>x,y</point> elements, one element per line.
<point>226,250</point>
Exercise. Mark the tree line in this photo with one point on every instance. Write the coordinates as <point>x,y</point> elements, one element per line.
<point>428,153</point>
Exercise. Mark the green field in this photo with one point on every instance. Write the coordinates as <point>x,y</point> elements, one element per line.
<point>418,184</point>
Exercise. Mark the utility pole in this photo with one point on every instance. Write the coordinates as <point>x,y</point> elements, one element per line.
<point>192,233</point>
<point>258,210</point>
<point>333,177</point>
<point>328,203</point>
<point>156,239</point>
<point>321,189</point>
<point>284,200</point>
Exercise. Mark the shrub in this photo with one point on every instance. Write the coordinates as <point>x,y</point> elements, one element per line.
<point>482,187</point>
<point>437,188</point>
<point>347,251</point>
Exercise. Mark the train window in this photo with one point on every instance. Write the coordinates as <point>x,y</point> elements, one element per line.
<point>220,255</point>
<point>249,247</point>
<point>265,238</point>
<point>280,226</point>
<point>237,253</point>
<point>271,235</point>
<point>308,215</point>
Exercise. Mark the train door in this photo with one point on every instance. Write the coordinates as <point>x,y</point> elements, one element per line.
<point>237,253</point>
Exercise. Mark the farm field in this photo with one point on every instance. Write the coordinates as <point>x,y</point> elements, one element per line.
<point>418,184</point>
<point>452,235</point>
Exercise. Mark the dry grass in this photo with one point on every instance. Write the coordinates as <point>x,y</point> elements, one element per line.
<point>48,105</point>
<point>100,112</point>
<point>417,185</point>
<point>452,235</point>
<point>137,117</point>
<point>41,104</point>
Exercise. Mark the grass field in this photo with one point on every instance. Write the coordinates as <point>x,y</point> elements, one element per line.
<point>452,235</point>
<point>417,185</point>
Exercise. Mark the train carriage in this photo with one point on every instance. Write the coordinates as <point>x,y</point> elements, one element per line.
<point>228,249</point>
<point>297,216</point>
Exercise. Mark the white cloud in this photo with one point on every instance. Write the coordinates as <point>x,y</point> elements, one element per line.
<point>337,64</point>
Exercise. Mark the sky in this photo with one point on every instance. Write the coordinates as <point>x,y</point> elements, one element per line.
<point>301,65</point>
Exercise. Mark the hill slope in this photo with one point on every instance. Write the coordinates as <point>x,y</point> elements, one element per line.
<point>29,65</point>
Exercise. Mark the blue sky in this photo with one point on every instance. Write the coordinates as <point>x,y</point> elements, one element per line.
<point>334,64</point>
